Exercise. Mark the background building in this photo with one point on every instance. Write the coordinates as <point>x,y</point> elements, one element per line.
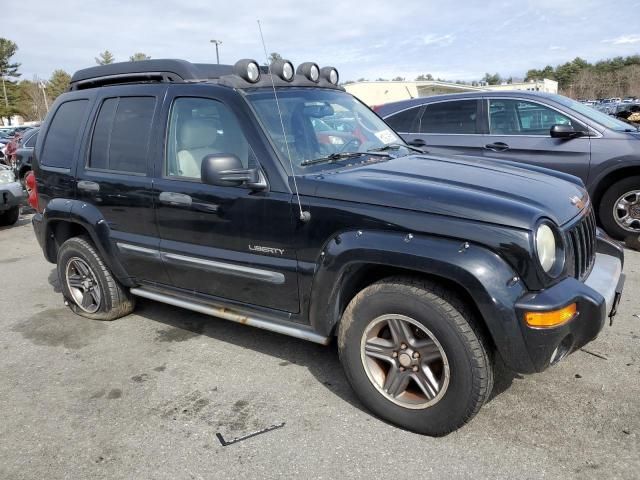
<point>377,93</point>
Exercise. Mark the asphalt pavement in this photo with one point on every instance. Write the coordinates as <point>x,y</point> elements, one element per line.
<point>144,397</point>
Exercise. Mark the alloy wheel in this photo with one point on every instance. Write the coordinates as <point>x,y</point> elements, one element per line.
<point>83,285</point>
<point>626,211</point>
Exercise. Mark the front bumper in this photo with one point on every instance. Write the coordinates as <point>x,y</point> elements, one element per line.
<point>11,195</point>
<point>596,298</point>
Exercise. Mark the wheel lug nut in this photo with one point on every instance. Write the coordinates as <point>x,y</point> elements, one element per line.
<point>394,354</point>
<point>415,369</point>
<point>403,346</point>
<point>416,355</point>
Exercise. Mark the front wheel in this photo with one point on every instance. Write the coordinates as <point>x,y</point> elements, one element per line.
<point>414,355</point>
<point>9,217</point>
<point>88,285</point>
<point>620,208</point>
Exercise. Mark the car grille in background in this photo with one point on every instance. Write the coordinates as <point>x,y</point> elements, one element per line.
<point>581,246</point>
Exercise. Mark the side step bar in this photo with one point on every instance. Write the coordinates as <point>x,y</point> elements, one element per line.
<point>290,329</point>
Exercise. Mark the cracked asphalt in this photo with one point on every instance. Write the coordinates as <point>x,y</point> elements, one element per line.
<point>145,396</point>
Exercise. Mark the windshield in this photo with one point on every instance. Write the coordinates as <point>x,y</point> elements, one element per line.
<point>593,114</point>
<point>323,124</point>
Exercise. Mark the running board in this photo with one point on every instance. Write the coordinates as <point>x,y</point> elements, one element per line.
<point>290,329</point>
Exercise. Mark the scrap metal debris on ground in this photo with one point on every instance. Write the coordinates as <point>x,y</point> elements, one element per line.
<point>224,442</point>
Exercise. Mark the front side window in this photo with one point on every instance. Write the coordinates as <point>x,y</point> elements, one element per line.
<point>519,117</point>
<point>61,140</point>
<point>121,135</point>
<point>199,127</point>
<point>322,127</point>
<point>31,142</point>
<point>459,116</point>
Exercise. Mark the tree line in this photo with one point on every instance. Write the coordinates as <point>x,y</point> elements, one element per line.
<point>31,99</point>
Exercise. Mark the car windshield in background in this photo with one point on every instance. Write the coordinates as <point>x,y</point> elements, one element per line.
<point>593,114</point>
<point>323,126</point>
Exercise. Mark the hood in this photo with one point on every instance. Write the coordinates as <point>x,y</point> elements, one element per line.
<point>503,193</point>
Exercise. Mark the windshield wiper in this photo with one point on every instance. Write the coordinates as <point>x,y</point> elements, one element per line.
<point>334,157</point>
<point>396,146</point>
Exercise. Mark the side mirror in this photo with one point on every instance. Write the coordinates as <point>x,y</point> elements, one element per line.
<point>565,131</point>
<point>417,142</point>
<point>226,170</point>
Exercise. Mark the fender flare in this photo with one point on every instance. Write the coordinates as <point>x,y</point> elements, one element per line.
<point>90,219</point>
<point>486,278</point>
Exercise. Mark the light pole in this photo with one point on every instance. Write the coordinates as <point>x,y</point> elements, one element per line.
<point>216,43</point>
<point>44,94</point>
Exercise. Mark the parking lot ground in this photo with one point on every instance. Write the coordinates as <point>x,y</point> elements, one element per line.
<point>144,396</point>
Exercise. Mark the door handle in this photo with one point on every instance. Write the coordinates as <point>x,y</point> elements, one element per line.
<point>176,199</point>
<point>417,142</point>
<point>88,186</point>
<point>497,147</point>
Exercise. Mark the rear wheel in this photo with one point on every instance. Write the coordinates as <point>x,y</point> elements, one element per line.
<point>9,217</point>
<point>88,285</point>
<point>620,208</point>
<point>414,356</point>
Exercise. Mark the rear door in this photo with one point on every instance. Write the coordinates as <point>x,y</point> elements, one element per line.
<point>448,127</point>
<point>224,241</point>
<point>519,130</point>
<point>116,171</point>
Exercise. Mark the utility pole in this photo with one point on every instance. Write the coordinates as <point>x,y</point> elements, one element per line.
<point>44,94</point>
<point>216,43</point>
<point>6,100</point>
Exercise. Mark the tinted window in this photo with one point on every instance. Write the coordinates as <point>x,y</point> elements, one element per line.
<point>121,136</point>
<point>450,117</point>
<point>60,143</point>
<point>404,121</point>
<point>518,117</point>
<point>199,127</point>
<point>31,141</point>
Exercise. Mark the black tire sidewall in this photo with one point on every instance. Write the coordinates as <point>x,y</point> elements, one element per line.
<point>75,247</point>
<point>453,406</point>
<point>10,216</point>
<point>605,211</point>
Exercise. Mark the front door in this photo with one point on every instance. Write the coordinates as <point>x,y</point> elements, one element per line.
<point>519,130</point>
<point>228,242</point>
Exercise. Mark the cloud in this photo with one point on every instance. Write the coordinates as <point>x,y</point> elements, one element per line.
<point>624,40</point>
<point>438,40</point>
<point>556,47</point>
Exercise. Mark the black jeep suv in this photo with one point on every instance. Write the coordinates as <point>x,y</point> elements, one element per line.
<point>218,189</point>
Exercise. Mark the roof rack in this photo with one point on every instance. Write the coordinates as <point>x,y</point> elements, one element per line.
<point>147,71</point>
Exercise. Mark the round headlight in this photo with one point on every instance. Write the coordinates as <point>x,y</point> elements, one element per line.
<point>287,71</point>
<point>309,70</point>
<point>330,74</point>
<point>283,69</point>
<point>546,247</point>
<point>247,69</point>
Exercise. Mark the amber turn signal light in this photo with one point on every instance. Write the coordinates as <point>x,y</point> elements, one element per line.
<point>552,318</point>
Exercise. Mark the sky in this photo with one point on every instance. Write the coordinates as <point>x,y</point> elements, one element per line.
<point>455,40</point>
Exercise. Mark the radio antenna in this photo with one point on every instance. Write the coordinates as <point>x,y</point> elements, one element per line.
<point>304,216</point>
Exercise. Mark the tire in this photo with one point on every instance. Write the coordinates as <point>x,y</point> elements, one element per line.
<point>78,262</point>
<point>610,199</point>
<point>464,371</point>
<point>9,217</point>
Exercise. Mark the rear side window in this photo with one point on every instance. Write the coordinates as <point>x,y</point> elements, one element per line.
<point>404,121</point>
<point>450,117</point>
<point>32,141</point>
<point>121,135</point>
<point>60,143</point>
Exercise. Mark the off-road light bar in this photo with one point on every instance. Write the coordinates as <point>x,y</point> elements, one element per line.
<point>283,69</point>
<point>248,70</point>
<point>309,70</point>
<point>330,74</point>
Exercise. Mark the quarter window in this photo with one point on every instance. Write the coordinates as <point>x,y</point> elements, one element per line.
<point>458,116</point>
<point>199,127</point>
<point>404,121</point>
<point>61,140</point>
<point>32,141</point>
<point>121,135</point>
<point>519,117</point>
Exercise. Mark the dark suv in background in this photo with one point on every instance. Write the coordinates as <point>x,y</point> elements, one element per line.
<point>542,129</point>
<point>196,186</point>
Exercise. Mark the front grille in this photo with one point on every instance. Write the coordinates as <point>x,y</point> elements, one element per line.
<point>581,246</point>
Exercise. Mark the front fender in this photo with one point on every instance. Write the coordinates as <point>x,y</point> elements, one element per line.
<point>484,275</point>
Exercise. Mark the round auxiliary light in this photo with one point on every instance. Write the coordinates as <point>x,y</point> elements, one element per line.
<point>283,69</point>
<point>309,70</point>
<point>247,69</point>
<point>330,74</point>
